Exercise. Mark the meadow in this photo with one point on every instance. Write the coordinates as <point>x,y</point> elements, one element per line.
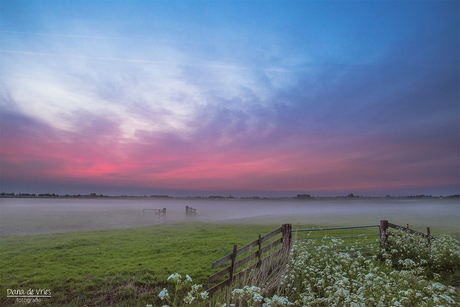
<point>130,266</point>
<point>123,267</point>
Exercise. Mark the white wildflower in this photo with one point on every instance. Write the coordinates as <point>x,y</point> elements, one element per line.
<point>163,294</point>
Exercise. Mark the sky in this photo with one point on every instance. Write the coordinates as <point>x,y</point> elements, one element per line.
<point>269,98</point>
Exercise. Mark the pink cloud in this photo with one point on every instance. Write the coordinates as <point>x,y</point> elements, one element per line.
<point>97,155</point>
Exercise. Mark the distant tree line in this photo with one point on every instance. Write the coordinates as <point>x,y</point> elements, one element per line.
<point>299,196</point>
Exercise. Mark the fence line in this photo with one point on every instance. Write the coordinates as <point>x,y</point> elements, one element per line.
<point>385,226</point>
<point>348,237</point>
<point>286,241</point>
<point>286,235</point>
<point>190,212</point>
<point>334,228</point>
<point>161,212</point>
<point>342,237</point>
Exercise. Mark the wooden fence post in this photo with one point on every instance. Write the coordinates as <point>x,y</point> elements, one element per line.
<point>190,212</point>
<point>285,242</point>
<point>428,236</point>
<point>383,231</point>
<point>286,231</point>
<point>232,266</point>
<point>260,252</point>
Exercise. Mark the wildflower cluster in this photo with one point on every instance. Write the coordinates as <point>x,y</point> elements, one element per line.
<point>196,293</point>
<point>252,296</point>
<point>325,276</point>
<point>408,252</point>
<point>404,273</point>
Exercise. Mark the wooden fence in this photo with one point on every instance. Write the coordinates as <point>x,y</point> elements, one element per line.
<point>385,232</point>
<point>363,245</point>
<point>190,212</point>
<point>160,212</point>
<point>285,240</point>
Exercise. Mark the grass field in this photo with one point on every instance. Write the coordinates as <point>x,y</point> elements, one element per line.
<point>126,266</point>
<point>130,266</point>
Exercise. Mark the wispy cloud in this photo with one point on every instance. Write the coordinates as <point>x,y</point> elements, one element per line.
<point>206,103</point>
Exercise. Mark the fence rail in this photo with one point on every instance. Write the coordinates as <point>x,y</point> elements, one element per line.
<point>348,237</point>
<point>161,212</point>
<point>360,236</point>
<point>335,228</point>
<point>385,226</point>
<point>190,212</point>
<point>285,239</point>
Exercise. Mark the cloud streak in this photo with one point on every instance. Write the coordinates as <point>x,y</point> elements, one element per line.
<point>277,108</point>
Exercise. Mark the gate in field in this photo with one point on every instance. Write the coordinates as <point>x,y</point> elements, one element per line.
<point>190,212</point>
<point>160,212</point>
<point>285,240</point>
<point>359,242</point>
<point>385,232</point>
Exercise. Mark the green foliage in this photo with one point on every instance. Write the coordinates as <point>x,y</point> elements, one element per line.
<point>115,266</point>
<point>327,275</point>
<point>439,261</point>
<point>131,266</point>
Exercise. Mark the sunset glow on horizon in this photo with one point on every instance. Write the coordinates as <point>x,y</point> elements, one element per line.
<point>243,97</point>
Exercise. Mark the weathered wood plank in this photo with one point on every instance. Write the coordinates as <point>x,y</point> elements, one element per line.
<point>272,255</point>
<point>246,248</point>
<point>228,257</point>
<point>236,252</point>
<point>286,231</point>
<point>232,266</point>
<point>241,273</point>
<point>409,230</point>
<point>256,242</point>
<point>270,235</point>
<point>221,261</point>
<point>212,290</point>
<point>271,245</point>
<point>219,274</point>
<point>246,259</point>
<point>253,266</point>
<point>256,253</point>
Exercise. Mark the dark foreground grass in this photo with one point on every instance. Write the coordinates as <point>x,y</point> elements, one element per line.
<point>122,267</point>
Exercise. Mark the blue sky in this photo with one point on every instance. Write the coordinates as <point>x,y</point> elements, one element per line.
<point>267,97</point>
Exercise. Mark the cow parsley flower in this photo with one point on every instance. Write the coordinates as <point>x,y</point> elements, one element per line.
<point>163,294</point>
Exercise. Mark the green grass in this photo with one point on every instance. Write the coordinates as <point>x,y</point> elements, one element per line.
<point>122,267</point>
<point>126,266</point>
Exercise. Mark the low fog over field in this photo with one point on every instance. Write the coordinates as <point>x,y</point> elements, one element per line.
<point>28,216</point>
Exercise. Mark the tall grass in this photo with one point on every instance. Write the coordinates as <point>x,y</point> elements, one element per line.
<point>267,279</point>
<point>405,273</point>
